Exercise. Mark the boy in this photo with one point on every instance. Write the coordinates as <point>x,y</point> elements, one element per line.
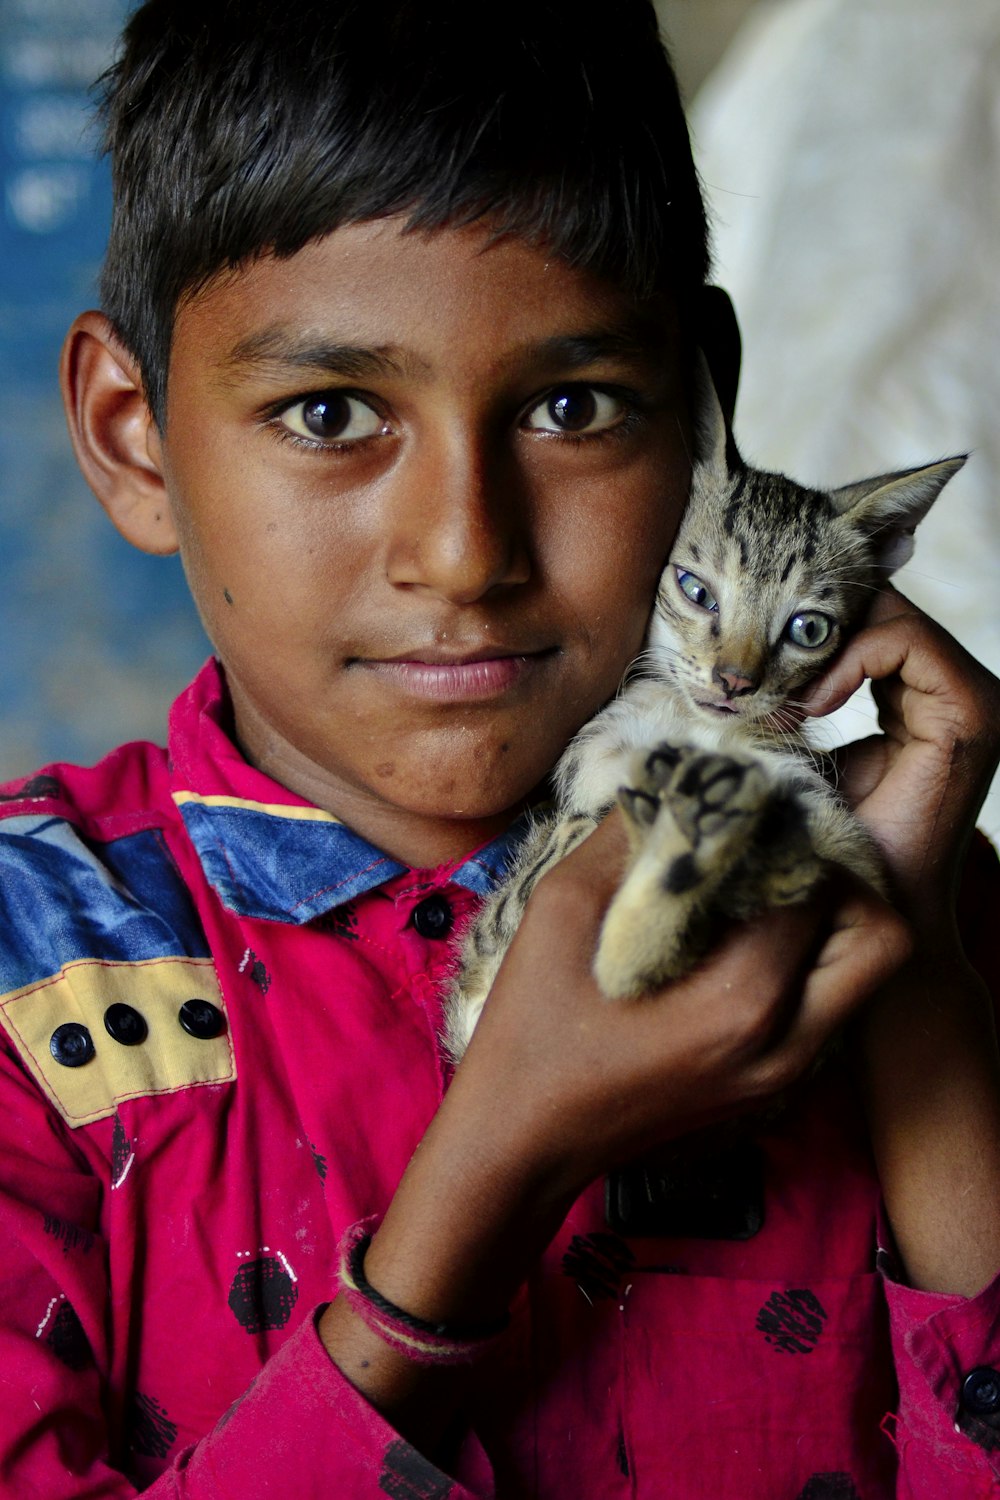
<point>395,347</point>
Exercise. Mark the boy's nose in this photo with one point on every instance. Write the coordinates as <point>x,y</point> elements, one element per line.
<point>458,528</point>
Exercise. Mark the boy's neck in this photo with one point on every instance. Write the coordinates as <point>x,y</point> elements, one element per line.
<point>415,839</point>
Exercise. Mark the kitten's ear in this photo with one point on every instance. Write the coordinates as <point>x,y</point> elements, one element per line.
<point>711,435</point>
<point>891,506</point>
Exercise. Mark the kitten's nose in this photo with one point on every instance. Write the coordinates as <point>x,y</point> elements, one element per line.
<point>734,682</point>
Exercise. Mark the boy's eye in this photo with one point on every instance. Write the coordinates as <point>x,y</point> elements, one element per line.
<point>332,416</point>
<point>693,589</point>
<point>575,408</point>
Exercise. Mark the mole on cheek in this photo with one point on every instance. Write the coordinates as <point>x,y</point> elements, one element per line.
<point>385,770</point>
<point>227,596</point>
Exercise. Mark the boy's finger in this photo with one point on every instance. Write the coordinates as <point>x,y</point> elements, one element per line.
<point>889,696</point>
<point>907,645</point>
<point>869,942</point>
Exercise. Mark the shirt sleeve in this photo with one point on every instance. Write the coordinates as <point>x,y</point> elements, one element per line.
<point>947,1425</point>
<point>300,1428</point>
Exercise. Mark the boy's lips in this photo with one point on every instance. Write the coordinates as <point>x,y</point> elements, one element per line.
<point>454,675</point>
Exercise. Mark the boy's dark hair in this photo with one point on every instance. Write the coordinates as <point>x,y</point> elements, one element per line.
<point>241,127</point>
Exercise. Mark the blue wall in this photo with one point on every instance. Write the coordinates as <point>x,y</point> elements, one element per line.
<point>95,638</point>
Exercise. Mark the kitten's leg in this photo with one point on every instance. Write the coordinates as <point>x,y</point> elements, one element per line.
<point>782,866</point>
<point>691,818</point>
<point>806,827</point>
<point>491,932</point>
<point>839,837</point>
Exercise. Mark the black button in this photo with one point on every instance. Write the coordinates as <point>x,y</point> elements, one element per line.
<point>124,1024</point>
<point>433,917</point>
<point>71,1045</point>
<point>981,1391</point>
<point>201,1018</point>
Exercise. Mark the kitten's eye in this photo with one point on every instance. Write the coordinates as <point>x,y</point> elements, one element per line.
<point>332,416</point>
<point>809,629</point>
<point>575,408</point>
<point>695,590</point>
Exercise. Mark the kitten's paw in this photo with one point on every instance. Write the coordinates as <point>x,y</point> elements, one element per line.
<point>691,817</point>
<point>713,801</point>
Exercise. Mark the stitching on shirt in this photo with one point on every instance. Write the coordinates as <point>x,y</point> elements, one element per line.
<point>323,890</point>
<point>423,887</point>
<point>362,939</point>
<point>91,1117</point>
<point>238,888</point>
<point>109,963</point>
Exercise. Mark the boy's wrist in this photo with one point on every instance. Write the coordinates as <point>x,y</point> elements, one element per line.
<point>464,1230</point>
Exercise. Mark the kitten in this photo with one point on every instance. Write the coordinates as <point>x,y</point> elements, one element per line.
<point>728,809</point>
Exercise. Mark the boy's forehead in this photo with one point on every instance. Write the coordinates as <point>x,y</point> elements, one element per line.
<point>373,299</point>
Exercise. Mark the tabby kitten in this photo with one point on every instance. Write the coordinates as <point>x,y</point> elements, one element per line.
<point>727,807</point>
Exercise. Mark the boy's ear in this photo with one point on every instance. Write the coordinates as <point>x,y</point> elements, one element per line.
<point>115,438</point>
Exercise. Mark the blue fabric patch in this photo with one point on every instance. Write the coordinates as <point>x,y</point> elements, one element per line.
<point>63,900</point>
<point>282,869</point>
<point>293,869</point>
<point>484,870</point>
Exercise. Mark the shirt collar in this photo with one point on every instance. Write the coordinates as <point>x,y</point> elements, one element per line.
<point>267,853</point>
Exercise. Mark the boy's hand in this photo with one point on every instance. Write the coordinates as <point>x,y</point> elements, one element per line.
<point>619,1077</point>
<point>919,784</point>
<point>926,1049</point>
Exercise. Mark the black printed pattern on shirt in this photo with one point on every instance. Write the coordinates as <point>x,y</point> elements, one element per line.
<point>262,1295</point>
<point>121,1150</point>
<point>71,1235</point>
<point>151,1431</point>
<point>35,786</point>
<point>792,1321</point>
<point>830,1487</point>
<point>67,1340</point>
<point>597,1263</point>
<point>342,921</point>
<point>407,1475</point>
<point>258,972</point>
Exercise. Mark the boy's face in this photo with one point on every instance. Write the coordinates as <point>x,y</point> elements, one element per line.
<point>424,489</point>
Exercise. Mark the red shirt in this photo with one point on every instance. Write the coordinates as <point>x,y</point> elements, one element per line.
<point>220,1015</point>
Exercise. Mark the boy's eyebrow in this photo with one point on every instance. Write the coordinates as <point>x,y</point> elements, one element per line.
<point>277,348</point>
<point>280,350</point>
<point>574,351</point>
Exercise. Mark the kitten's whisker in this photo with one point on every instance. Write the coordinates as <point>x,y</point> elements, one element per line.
<point>910,572</point>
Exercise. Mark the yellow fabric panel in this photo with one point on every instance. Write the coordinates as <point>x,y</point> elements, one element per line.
<point>169,1059</point>
<point>273,809</point>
